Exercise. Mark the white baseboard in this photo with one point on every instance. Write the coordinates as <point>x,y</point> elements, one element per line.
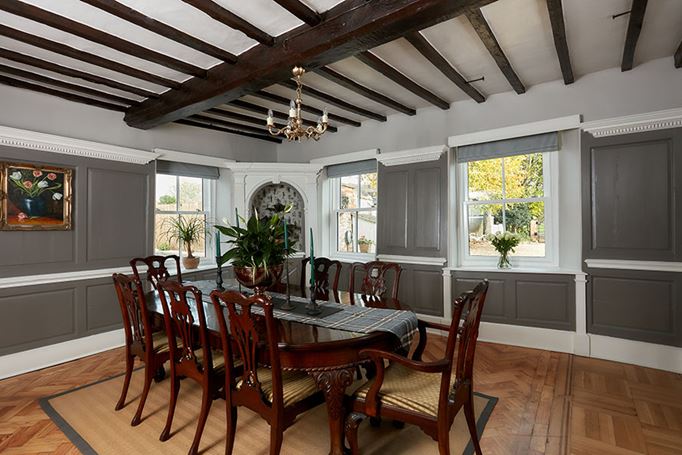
<point>650,355</point>
<point>528,337</point>
<point>46,356</point>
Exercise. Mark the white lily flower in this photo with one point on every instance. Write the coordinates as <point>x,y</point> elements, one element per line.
<point>57,196</point>
<point>16,175</point>
<point>43,184</point>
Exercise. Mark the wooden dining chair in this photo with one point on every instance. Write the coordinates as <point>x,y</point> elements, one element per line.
<point>323,267</point>
<point>374,280</point>
<point>190,352</point>
<point>157,270</point>
<point>278,396</point>
<point>426,394</point>
<point>141,340</point>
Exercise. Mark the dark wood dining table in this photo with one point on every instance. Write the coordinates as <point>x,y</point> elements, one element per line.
<point>330,356</point>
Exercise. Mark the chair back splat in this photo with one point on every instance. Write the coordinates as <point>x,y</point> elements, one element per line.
<point>323,273</point>
<point>374,285</point>
<point>157,271</point>
<point>136,323</point>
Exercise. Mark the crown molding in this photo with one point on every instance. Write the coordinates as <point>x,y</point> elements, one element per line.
<point>15,137</point>
<point>419,155</point>
<point>346,157</point>
<point>659,120</point>
<point>192,158</point>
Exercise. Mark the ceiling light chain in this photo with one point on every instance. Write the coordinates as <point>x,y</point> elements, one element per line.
<point>294,129</point>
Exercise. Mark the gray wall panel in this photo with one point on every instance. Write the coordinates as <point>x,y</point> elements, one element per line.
<point>102,310</point>
<point>494,310</point>
<point>543,302</point>
<point>427,207</point>
<point>392,219</point>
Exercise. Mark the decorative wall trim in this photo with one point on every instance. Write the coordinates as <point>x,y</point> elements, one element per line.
<point>33,140</point>
<point>419,260</point>
<point>670,118</point>
<point>78,275</point>
<point>419,155</point>
<point>346,157</point>
<point>654,266</point>
<point>529,337</point>
<point>538,270</point>
<point>650,355</point>
<point>509,132</point>
<point>192,158</point>
<point>54,354</point>
<point>272,169</point>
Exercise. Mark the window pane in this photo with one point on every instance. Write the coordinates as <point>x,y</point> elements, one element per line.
<point>345,229</point>
<point>162,244</point>
<point>528,221</point>
<point>166,197</point>
<point>368,190</point>
<point>483,219</point>
<point>199,246</point>
<point>523,176</point>
<point>349,192</point>
<point>191,197</point>
<point>485,180</point>
<point>367,231</point>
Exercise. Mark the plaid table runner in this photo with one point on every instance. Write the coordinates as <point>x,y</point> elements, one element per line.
<point>351,318</point>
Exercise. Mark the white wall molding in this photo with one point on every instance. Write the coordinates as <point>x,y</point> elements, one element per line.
<point>346,157</point>
<point>420,260</point>
<point>669,118</point>
<point>192,158</point>
<point>529,337</point>
<point>650,355</point>
<point>654,266</point>
<point>509,132</point>
<point>15,137</point>
<point>581,343</point>
<point>419,155</point>
<point>54,354</point>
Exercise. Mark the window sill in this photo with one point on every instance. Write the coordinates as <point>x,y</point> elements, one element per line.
<point>536,270</point>
<point>358,257</point>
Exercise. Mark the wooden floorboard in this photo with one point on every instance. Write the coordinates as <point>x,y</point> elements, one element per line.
<point>549,403</point>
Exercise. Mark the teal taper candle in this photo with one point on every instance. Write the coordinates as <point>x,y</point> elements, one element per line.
<point>286,237</point>
<point>236,215</point>
<point>312,259</point>
<point>217,245</point>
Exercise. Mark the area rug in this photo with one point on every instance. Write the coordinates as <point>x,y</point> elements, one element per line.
<point>86,415</point>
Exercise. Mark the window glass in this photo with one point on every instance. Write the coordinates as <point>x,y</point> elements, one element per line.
<point>190,195</point>
<point>356,215</point>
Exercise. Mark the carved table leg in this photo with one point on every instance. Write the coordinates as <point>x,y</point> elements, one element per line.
<point>333,384</point>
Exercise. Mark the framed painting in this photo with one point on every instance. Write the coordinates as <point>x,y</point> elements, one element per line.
<point>35,197</point>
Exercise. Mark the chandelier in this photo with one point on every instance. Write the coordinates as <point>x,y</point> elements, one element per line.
<point>294,130</point>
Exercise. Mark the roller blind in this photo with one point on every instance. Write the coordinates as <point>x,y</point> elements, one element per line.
<point>354,168</point>
<point>545,142</point>
<point>187,169</point>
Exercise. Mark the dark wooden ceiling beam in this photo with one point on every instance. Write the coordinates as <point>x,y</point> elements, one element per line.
<point>678,56</point>
<point>241,104</point>
<point>230,19</point>
<point>488,38</point>
<point>58,93</point>
<point>556,18</point>
<point>399,78</point>
<point>360,89</point>
<point>432,55</point>
<point>349,28</point>
<point>334,101</point>
<point>97,36</point>
<point>66,71</point>
<point>215,127</point>
<point>306,108</point>
<point>241,117</point>
<point>135,17</point>
<point>634,28</point>
<point>67,85</point>
<point>72,52</point>
<point>302,11</point>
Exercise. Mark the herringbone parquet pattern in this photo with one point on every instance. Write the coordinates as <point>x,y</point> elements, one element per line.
<point>549,403</point>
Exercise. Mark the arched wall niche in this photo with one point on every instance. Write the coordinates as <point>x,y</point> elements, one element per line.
<point>271,198</point>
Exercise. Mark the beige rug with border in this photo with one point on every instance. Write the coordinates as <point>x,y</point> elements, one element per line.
<point>86,415</point>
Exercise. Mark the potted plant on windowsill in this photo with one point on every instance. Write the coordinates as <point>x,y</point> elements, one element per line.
<point>364,244</point>
<point>187,229</point>
<point>504,242</point>
<point>257,250</point>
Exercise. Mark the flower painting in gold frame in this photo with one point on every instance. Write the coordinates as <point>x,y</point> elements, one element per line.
<point>35,197</point>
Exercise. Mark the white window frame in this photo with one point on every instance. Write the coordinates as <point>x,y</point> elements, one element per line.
<point>551,201</point>
<point>208,192</point>
<point>334,186</point>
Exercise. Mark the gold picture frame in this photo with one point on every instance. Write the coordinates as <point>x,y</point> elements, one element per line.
<point>35,197</point>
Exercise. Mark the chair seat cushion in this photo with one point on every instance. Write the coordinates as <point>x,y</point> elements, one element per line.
<point>407,389</point>
<point>160,342</point>
<point>218,359</point>
<point>296,385</point>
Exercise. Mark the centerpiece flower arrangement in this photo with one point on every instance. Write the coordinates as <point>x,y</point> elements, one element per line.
<point>32,184</point>
<point>504,242</point>
<point>257,250</point>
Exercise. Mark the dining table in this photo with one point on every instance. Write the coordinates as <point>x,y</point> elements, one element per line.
<point>327,346</point>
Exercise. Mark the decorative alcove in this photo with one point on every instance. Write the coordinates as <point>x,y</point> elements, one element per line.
<point>274,197</point>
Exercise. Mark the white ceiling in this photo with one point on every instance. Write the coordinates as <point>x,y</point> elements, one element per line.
<point>522,27</point>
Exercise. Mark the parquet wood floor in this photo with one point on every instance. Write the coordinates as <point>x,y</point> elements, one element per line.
<point>550,403</point>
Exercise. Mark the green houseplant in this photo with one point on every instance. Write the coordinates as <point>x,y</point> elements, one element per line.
<point>504,242</point>
<point>257,250</point>
<point>364,244</point>
<point>186,229</point>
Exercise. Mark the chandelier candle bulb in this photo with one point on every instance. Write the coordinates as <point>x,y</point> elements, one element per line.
<point>292,109</point>
<point>270,120</point>
<point>325,117</point>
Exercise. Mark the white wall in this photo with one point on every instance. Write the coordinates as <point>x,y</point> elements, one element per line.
<point>34,111</point>
<point>652,86</point>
